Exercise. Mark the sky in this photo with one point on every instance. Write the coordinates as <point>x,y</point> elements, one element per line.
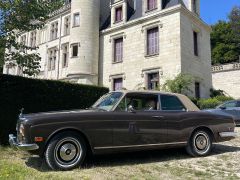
<point>214,10</point>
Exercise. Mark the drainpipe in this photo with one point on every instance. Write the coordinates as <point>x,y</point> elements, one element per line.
<point>59,46</point>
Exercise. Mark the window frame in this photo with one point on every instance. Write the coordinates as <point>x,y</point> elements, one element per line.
<point>67,25</point>
<point>113,83</point>
<point>160,103</point>
<point>136,94</point>
<point>65,49</point>
<point>74,20</point>
<point>72,54</point>
<point>147,78</point>
<point>116,20</point>
<point>115,50</point>
<point>147,48</point>
<point>196,43</point>
<point>153,8</point>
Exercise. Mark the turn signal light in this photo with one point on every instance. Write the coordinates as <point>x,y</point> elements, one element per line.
<point>38,139</point>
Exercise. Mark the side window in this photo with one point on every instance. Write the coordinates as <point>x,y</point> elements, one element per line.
<point>171,103</point>
<point>139,102</point>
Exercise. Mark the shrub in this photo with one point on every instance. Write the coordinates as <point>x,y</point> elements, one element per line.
<point>212,102</point>
<point>40,96</point>
<point>208,103</point>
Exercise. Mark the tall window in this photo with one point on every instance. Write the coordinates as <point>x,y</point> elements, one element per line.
<point>75,50</point>
<point>117,84</point>
<point>197,90</point>
<point>153,41</point>
<point>67,25</point>
<point>33,38</point>
<point>118,50</point>
<point>54,31</point>
<point>195,43</point>
<point>118,14</point>
<point>76,19</point>
<point>151,4</point>
<point>23,41</point>
<point>153,81</point>
<point>52,59</point>
<point>65,56</point>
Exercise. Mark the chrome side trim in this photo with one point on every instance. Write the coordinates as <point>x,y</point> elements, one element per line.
<point>143,145</point>
<point>228,134</point>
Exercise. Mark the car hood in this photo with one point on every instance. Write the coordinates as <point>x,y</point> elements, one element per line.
<point>58,116</point>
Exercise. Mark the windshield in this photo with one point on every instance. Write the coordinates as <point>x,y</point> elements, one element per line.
<point>108,101</point>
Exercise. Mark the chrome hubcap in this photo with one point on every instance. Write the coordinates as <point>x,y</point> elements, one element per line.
<point>68,151</point>
<point>201,142</point>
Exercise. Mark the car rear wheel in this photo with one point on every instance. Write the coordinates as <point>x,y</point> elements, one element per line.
<point>65,151</point>
<point>200,143</point>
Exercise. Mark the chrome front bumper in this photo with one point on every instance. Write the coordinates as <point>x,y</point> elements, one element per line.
<point>228,134</point>
<point>26,147</point>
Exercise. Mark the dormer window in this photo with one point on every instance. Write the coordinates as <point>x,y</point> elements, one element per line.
<point>151,5</point>
<point>118,14</point>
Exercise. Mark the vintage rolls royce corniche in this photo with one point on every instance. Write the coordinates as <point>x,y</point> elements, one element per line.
<point>121,121</point>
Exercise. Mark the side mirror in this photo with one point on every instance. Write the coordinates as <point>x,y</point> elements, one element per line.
<point>130,109</point>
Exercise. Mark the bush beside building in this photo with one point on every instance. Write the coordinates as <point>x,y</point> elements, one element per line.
<point>40,96</point>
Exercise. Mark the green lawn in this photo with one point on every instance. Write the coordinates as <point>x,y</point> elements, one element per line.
<point>161,164</point>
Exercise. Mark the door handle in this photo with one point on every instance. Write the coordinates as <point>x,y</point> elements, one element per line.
<point>158,117</point>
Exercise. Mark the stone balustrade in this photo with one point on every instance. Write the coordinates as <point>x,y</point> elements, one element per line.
<point>226,67</point>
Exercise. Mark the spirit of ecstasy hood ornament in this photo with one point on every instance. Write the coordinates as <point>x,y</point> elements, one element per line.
<point>21,113</point>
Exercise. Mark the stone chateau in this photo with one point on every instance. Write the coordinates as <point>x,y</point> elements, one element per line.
<point>128,44</point>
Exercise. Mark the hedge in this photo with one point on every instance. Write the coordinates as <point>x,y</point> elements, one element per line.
<point>40,96</point>
<point>212,102</point>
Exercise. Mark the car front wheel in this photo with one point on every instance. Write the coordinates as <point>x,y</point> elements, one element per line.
<point>200,143</point>
<point>65,151</point>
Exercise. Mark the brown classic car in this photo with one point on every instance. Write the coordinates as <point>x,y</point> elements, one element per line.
<point>118,122</point>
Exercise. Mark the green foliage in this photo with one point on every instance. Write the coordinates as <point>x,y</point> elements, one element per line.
<point>208,103</point>
<point>24,16</point>
<point>225,39</point>
<point>214,93</point>
<point>178,85</point>
<point>212,102</point>
<point>224,43</point>
<point>40,96</point>
<point>234,18</point>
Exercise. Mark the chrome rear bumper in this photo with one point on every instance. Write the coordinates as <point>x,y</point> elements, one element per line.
<point>27,147</point>
<point>228,134</point>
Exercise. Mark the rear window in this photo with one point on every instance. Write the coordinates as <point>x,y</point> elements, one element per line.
<point>171,103</point>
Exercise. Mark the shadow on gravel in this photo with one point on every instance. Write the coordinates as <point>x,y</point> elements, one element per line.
<point>142,157</point>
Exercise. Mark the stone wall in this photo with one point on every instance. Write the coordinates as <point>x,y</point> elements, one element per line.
<point>227,78</point>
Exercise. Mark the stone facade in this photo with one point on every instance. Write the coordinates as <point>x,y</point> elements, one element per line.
<point>227,77</point>
<point>176,22</point>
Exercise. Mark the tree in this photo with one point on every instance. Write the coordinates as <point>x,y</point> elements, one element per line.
<point>234,18</point>
<point>180,84</point>
<point>225,39</point>
<point>224,43</point>
<point>23,16</point>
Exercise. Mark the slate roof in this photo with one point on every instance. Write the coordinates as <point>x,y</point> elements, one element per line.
<point>136,12</point>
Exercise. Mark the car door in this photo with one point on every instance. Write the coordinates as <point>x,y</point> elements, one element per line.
<point>173,111</point>
<point>137,123</point>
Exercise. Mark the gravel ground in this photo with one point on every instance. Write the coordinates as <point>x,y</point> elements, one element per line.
<point>223,163</point>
